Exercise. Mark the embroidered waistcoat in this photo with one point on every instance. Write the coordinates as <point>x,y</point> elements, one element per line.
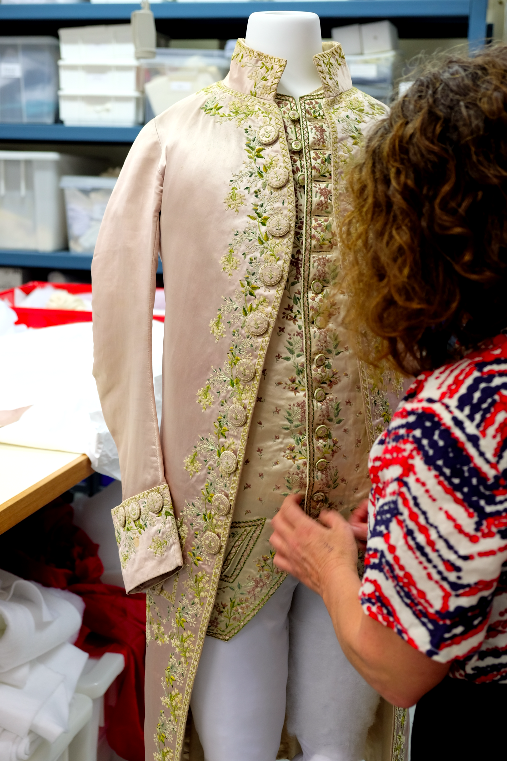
<point>239,190</point>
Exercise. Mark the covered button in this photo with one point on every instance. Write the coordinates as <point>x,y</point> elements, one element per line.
<point>319,496</point>
<point>321,464</point>
<point>245,370</point>
<point>120,516</point>
<point>270,274</point>
<point>277,176</point>
<point>320,360</point>
<point>296,145</point>
<point>317,286</point>
<point>155,503</point>
<point>293,114</point>
<point>220,504</point>
<point>267,134</point>
<point>135,510</point>
<point>278,225</point>
<point>257,323</point>
<point>322,431</point>
<point>228,463</point>
<point>237,415</point>
<point>319,395</point>
<point>301,179</point>
<point>211,542</point>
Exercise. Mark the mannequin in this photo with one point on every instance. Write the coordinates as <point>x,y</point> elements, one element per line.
<point>292,35</point>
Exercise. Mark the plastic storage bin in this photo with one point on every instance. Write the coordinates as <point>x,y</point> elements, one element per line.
<point>96,78</point>
<point>375,73</point>
<point>102,110</point>
<point>97,43</point>
<point>32,211</point>
<point>28,79</point>
<point>85,203</point>
<point>177,72</point>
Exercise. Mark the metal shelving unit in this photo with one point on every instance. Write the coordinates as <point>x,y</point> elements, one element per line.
<point>222,19</point>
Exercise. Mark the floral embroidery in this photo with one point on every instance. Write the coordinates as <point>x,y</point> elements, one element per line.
<point>264,71</point>
<point>333,69</point>
<point>235,200</point>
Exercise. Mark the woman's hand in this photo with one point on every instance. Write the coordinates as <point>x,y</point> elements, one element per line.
<point>359,523</point>
<point>312,550</point>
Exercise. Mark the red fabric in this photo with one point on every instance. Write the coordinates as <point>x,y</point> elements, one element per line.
<point>48,548</point>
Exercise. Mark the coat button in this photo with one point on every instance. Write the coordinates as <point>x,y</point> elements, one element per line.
<point>278,225</point>
<point>220,504</point>
<point>270,274</point>
<point>211,542</point>
<point>317,287</point>
<point>321,464</point>
<point>155,503</point>
<point>267,134</point>
<point>228,462</point>
<point>301,180</point>
<point>320,360</point>
<point>294,115</point>
<point>322,431</point>
<point>277,176</point>
<point>245,370</point>
<point>257,323</point>
<point>319,395</point>
<point>121,517</point>
<point>236,415</point>
<point>135,510</point>
<point>319,497</point>
<point>296,145</point>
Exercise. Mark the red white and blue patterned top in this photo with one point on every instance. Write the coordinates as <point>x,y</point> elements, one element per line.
<point>436,561</point>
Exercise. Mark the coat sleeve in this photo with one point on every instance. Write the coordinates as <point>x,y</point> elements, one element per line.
<point>124,278</point>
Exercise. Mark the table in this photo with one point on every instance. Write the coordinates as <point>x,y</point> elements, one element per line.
<point>30,478</point>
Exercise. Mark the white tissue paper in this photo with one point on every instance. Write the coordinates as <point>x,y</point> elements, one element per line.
<point>33,620</point>
<point>7,319</point>
<point>50,370</point>
<point>15,748</point>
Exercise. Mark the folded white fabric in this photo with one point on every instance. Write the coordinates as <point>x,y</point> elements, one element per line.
<point>14,748</point>
<point>19,707</point>
<point>33,620</point>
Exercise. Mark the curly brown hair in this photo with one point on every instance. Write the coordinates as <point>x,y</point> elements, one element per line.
<point>426,238</point>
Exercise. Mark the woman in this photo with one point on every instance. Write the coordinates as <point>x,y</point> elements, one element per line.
<point>427,240</point>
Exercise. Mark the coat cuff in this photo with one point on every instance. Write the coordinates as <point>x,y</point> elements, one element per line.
<point>147,538</point>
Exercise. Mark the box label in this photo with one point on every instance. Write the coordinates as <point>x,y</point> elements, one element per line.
<point>363,70</point>
<point>10,70</point>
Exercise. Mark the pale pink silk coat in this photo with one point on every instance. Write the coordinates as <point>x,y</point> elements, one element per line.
<point>224,277</point>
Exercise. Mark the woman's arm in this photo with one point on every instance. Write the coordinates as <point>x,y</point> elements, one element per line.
<point>323,555</point>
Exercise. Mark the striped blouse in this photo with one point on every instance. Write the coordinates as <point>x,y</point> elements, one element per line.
<point>436,561</point>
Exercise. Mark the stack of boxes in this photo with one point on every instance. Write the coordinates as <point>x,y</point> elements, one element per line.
<point>372,56</point>
<point>99,77</point>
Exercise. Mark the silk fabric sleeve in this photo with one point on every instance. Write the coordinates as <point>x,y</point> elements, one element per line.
<point>124,278</point>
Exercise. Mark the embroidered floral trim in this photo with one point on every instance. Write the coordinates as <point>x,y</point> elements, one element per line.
<point>151,511</point>
<point>333,69</point>
<point>264,71</point>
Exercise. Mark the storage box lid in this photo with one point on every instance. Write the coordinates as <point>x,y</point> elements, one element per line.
<point>29,156</point>
<point>87,183</point>
<point>84,95</point>
<point>120,63</point>
<point>29,41</point>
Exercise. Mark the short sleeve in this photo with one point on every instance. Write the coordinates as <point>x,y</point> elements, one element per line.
<point>436,541</point>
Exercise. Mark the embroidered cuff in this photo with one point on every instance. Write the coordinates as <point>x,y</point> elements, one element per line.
<point>147,538</point>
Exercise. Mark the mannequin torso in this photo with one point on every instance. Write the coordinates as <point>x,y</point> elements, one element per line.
<point>294,36</point>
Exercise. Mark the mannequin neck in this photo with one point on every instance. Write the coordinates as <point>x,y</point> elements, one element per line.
<point>291,35</point>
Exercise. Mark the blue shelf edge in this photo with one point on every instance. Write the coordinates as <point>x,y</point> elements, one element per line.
<point>64,260</point>
<point>209,10</point>
<point>59,133</point>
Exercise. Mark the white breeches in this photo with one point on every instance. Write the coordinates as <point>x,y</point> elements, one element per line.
<point>286,657</point>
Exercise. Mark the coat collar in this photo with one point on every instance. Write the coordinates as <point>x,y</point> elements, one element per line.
<point>258,74</point>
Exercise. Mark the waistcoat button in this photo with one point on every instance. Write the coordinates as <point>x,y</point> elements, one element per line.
<point>296,145</point>
<point>319,496</point>
<point>317,286</point>
<point>211,542</point>
<point>278,225</point>
<point>293,115</point>
<point>270,274</point>
<point>245,370</point>
<point>237,415</point>
<point>277,176</point>
<point>267,134</point>
<point>228,462</point>
<point>220,504</point>
<point>321,431</point>
<point>257,323</point>
<point>121,517</point>
<point>321,464</point>
<point>320,360</point>
<point>319,395</point>
<point>301,180</point>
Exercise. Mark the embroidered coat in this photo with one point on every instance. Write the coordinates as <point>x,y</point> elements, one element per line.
<point>239,189</point>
